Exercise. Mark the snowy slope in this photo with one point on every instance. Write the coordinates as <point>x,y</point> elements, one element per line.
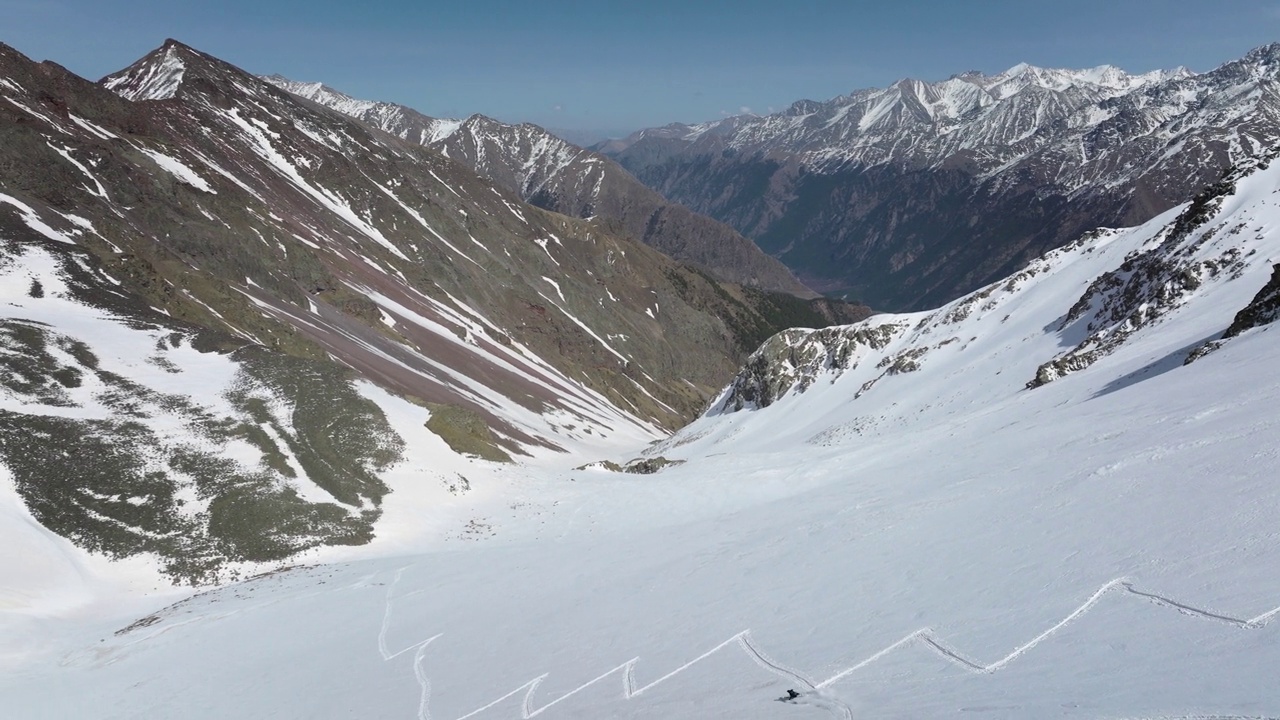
<point>1169,287</point>
<point>827,565</point>
<point>915,534</point>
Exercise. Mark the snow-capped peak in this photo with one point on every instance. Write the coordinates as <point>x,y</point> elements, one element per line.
<point>1263,55</point>
<point>1114,78</point>
<point>1021,68</point>
<point>1106,76</point>
<point>156,77</point>
<point>1159,76</point>
<point>1022,76</point>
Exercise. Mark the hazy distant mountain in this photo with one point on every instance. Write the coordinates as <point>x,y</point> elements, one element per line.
<point>910,195</point>
<point>587,138</point>
<point>557,175</point>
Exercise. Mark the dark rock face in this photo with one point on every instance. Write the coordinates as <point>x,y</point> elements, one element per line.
<point>553,174</point>
<point>912,195</point>
<point>1263,310</point>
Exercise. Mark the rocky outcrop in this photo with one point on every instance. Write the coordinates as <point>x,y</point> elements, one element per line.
<point>1261,311</point>
<point>1264,309</point>
<point>794,359</point>
<point>1147,285</point>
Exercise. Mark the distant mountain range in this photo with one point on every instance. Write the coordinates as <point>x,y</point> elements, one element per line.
<point>908,196</point>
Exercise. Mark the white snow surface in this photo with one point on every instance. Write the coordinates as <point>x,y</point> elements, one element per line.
<point>179,170</point>
<point>32,219</point>
<point>942,543</point>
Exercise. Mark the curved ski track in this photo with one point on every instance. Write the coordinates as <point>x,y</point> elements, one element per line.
<point>924,637</point>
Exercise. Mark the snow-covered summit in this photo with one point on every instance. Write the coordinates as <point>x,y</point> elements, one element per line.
<point>1024,75</point>
<point>323,94</point>
<point>155,77</point>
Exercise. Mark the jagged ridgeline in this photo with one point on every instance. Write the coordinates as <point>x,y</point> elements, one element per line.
<point>554,174</point>
<point>202,270</point>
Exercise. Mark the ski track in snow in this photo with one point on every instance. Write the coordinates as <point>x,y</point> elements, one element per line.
<point>924,637</point>
<point>420,649</point>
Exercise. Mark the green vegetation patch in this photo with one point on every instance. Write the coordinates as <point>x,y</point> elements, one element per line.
<point>95,483</point>
<point>340,438</point>
<point>117,486</point>
<point>465,432</point>
<point>28,366</point>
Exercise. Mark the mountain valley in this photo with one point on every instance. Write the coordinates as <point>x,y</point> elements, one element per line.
<point>320,407</point>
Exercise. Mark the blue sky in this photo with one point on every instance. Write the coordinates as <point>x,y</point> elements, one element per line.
<point>620,66</point>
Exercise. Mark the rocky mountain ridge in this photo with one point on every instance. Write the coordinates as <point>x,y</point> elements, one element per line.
<point>559,176</point>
